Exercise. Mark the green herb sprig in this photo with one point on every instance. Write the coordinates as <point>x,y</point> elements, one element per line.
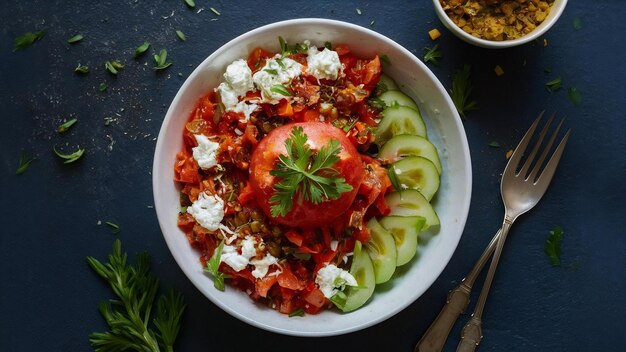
<point>129,316</point>
<point>287,49</point>
<point>23,41</point>
<point>66,125</point>
<point>75,39</point>
<point>142,49</point>
<point>161,60</point>
<point>552,246</point>
<point>461,91</point>
<point>69,158</point>
<point>306,174</point>
<point>213,266</point>
<point>432,55</point>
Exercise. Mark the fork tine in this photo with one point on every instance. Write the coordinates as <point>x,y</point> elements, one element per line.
<point>519,150</point>
<point>546,176</point>
<point>546,150</point>
<point>524,170</point>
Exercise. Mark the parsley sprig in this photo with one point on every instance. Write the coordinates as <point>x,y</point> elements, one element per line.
<point>461,91</point>
<point>305,174</point>
<point>129,316</point>
<point>432,55</point>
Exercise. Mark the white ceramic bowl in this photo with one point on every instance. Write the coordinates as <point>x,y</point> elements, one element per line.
<point>555,12</point>
<point>444,129</point>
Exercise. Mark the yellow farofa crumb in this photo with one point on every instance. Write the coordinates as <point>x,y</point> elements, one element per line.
<point>499,71</point>
<point>497,19</point>
<point>434,34</point>
<point>509,153</point>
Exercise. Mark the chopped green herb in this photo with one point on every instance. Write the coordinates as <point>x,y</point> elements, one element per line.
<point>181,35</point>
<point>377,103</point>
<point>26,39</point>
<point>280,89</point>
<point>271,71</point>
<point>553,85</point>
<point>306,174</point>
<point>75,39</point>
<point>328,45</point>
<point>461,91</point>
<point>358,11</point>
<point>142,49</point>
<point>297,313</point>
<point>213,266</point>
<point>69,158</point>
<point>573,94</point>
<point>128,316</point>
<point>190,3</point>
<point>577,23</point>
<point>552,246</point>
<point>115,227</point>
<point>494,144</point>
<point>66,125</point>
<point>381,87</point>
<point>25,161</point>
<point>161,60</point>
<point>81,69</point>
<point>215,11</point>
<point>287,49</point>
<point>109,67</point>
<point>432,54</point>
<point>102,87</point>
<point>117,65</point>
<point>183,210</point>
<point>393,177</point>
<point>385,59</point>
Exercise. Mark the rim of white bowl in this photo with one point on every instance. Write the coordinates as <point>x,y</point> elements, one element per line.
<point>162,212</point>
<point>490,44</point>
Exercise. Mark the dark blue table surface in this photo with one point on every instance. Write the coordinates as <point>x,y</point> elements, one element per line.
<point>51,213</point>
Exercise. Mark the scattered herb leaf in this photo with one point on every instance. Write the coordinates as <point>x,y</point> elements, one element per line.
<point>66,125</point>
<point>109,67</point>
<point>69,158</point>
<point>552,246</point>
<point>213,266</point>
<point>432,54</point>
<point>280,89</point>
<point>25,161</point>
<point>305,174</point>
<point>129,316</point>
<point>385,59</point>
<point>161,60</point>
<point>271,71</point>
<point>142,49</point>
<point>494,144</point>
<point>287,49</point>
<point>102,87</point>
<point>573,94</point>
<point>297,313</point>
<point>328,45</point>
<point>215,11</point>
<point>461,91</point>
<point>26,39</point>
<point>553,85</point>
<point>190,3</point>
<point>114,226</point>
<point>117,65</point>
<point>82,69</point>
<point>381,87</point>
<point>181,35</point>
<point>183,210</point>
<point>75,39</point>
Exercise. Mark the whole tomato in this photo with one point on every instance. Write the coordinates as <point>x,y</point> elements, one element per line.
<point>305,213</point>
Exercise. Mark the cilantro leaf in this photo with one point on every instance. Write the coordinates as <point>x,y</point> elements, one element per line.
<point>305,174</point>
<point>461,91</point>
<point>213,268</point>
<point>552,246</point>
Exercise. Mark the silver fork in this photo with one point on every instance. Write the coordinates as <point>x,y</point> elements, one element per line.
<point>521,191</point>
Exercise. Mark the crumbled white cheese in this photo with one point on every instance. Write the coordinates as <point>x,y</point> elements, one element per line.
<point>332,279</point>
<point>277,70</point>
<point>323,64</point>
<point>208,211</point>
<point>237,82</point>
<point>206,152</point>
<point>261,266</point>
<point>237,261</point>
<point>247,247</point>
<point>246,108</point>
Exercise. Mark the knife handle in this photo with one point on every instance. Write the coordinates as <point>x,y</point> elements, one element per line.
<point>435,337</point>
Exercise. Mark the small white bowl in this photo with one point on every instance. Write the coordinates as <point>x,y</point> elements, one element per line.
<point>444,129</point>
<point>555,12</point>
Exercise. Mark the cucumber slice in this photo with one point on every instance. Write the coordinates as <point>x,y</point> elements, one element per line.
<point>399,120</point>
<point>405,145</point>
<point>412,203</point>
<point>396,97</point>
<point>404,230</point>
<point>388,83</point>
<point>363,271</point>
<point>382,250</point>
<point>417,173</point>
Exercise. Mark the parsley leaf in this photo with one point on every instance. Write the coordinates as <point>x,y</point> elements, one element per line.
<point>461,91</point>
<point>66,125</point>
<point>552,246</point>
<point>25,161</point>
<point>129,316</point>
<point>432,55</point>
<point>161,60</point>
<point>553,85</point>
<point>305,174</point>
<point>213,266</point>
<point>26,39</point>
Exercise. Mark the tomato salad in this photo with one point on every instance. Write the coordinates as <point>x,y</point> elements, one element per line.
<point>277,176</point>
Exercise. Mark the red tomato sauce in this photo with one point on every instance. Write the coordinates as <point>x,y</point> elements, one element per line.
<point>310,236</point>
